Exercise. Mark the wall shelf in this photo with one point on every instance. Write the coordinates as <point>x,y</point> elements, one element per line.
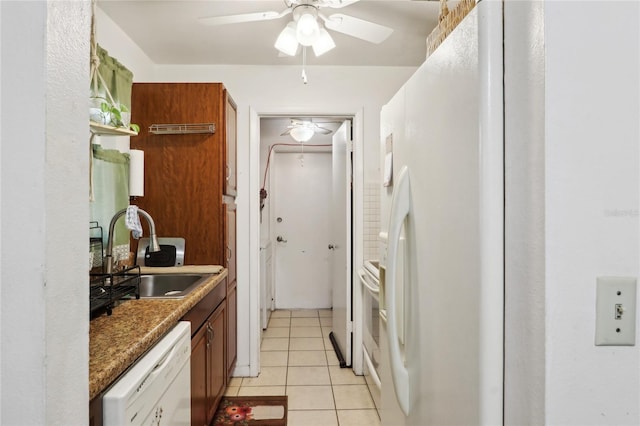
<point>182,129</point>
<point>101,129</point>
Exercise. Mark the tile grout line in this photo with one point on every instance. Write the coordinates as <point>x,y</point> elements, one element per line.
<point>334,410</point>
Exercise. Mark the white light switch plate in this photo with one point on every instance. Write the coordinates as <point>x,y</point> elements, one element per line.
<point>616,311</point>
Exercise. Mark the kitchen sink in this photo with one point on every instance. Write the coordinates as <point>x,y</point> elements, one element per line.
<point>170,286</point>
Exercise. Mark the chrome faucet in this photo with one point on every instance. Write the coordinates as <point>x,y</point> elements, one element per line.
<point>153,240</point>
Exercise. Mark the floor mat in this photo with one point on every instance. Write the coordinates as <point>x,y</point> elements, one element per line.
<point>252,410</point>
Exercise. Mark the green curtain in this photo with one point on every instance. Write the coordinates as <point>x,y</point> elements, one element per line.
<point>111,190</point>
<point>117,77</point>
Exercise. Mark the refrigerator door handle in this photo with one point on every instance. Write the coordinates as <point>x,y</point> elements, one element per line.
<point>400,207</point>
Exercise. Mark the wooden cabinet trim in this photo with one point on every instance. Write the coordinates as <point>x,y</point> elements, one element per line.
<point>203,309</point>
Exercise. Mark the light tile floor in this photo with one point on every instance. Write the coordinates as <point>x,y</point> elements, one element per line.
<point>298,360</point>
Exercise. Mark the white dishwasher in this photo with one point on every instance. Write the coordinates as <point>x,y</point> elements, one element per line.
<point>157,388</point>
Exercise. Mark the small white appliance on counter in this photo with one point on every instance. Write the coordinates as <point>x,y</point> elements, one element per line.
<point>171,252</point>
<point>157,388</point>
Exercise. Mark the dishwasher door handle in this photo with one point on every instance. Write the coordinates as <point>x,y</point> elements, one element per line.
<point>160,365</point>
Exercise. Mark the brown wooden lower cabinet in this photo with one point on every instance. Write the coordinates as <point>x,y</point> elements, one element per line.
<point>208,354</point>
<point>207,368</point>
<point>95,411</point>
<point>213,353</point>
<point>208,380</point>
<point>232,328</point>
<point>199,413</point>
<point>216,373</point>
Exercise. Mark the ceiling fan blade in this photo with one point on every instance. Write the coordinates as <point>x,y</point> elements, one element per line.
<point>322,130</point>
<point>243,17</point>
<point>358,28</point>
<point>286,132</point>
<point>330,122</point>
<point>338,4</point>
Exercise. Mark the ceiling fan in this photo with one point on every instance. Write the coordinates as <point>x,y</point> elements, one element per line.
<point>303,130</point>
<point>306,29</point>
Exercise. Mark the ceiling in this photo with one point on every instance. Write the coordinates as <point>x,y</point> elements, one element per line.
<point>169,32</point>
<point>271,129</point>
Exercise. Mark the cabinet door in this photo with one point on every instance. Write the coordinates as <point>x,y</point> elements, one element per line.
<point>231,332</point>
<point>232,329</point>
<point>95,411</point>
<point>230,242</point>
<point>184,173</point>
<point>199,349</point>
<point>230,123</point>
<point>216,373</point>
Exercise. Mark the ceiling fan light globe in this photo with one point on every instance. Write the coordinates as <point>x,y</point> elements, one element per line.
<point>287,42</point>
<point>307,29</point>
<point>324,43</point>
<point>302,133</point>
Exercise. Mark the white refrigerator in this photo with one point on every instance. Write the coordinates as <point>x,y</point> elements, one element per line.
<point>442,251</point>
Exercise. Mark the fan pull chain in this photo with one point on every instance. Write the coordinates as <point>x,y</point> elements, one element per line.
<point>304,64</point>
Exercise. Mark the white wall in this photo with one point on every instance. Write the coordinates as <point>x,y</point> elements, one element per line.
<point>111,37</point>
<point>524,214</point>
<point>572,172</point>
<point>44,309</point>
<point>592,169</point>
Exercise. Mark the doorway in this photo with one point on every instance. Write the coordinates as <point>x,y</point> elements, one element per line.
<point>258,211</point>
<point>296,213</point>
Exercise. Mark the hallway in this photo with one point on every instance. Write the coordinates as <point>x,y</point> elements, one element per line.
<point>298,360</point>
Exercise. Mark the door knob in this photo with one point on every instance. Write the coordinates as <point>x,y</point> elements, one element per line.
<point>280,239</point>
<point>332,247</point>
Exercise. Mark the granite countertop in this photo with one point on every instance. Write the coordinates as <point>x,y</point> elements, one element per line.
<point>116,341</point>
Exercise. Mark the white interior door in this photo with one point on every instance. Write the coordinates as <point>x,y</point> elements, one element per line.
<point>340,243</point>
<point>301,191</point>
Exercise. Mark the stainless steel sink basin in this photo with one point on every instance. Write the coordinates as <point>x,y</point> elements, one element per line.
<point>170,286</point>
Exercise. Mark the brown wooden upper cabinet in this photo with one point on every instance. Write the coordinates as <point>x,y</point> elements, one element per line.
<point>188,168</point>
<point>230,145</point>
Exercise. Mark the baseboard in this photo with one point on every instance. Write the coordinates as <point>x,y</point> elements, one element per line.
<point>241,371</point>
